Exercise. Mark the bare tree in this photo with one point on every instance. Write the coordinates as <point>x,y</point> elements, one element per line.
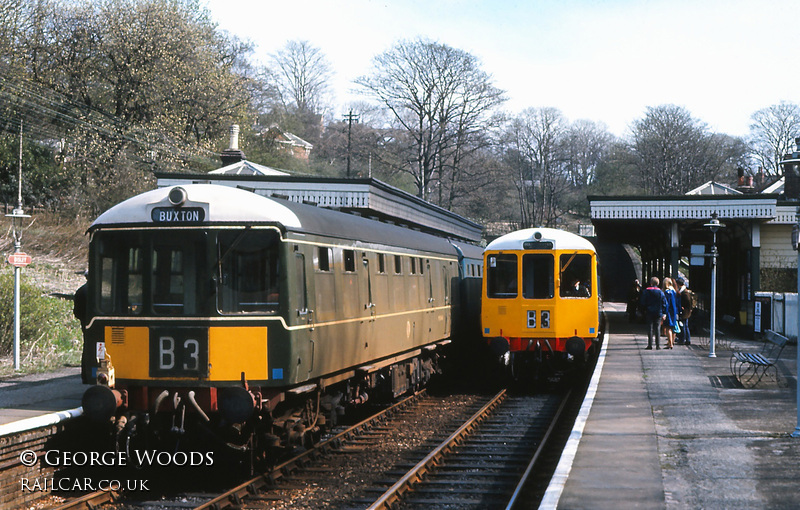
<point>536,139</point>
<point>675,152</point>
<point>586,143</point>
<point>440,100</point>
<point>303,74</point>
<point>772,133</point>
<point>663,142</point>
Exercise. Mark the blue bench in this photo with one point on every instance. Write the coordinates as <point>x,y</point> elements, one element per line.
<point>750,367</point>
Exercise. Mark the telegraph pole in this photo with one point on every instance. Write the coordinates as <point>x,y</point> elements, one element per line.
<point>350,118</point>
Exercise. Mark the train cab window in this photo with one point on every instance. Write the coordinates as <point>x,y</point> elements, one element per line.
<point>135,279</point>
<point>152,272</point>
<point>121,278</point>
<point>349,261</point>
<point>248,272</point>
<point>537,276</point>
<point>501,280</point>
<point>398,264</point>
<point>381,263</point>
<point>173,292</point>
<point>323,261</point>
<point>576,275</point>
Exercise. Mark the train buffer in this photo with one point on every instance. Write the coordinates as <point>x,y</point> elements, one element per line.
<point>749,368</point>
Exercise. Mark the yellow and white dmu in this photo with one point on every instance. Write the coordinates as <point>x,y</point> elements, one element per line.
<point>540,309</point>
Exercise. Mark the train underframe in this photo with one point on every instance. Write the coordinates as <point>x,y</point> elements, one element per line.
<point>256,425</point>
<point>540,359</point>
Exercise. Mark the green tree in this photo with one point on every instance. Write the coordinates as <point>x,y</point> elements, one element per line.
<point>125,87</point>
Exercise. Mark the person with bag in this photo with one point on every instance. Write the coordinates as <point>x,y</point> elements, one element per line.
<point>654,305</point>
<point>688,302</point>
<point>671,322</point>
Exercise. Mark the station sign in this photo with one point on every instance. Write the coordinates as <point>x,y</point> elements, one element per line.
<point>178,215</point>
<point>698,255</point>
<point>19,259</point>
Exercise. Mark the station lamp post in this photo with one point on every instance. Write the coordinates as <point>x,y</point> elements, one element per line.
<point>18,259</point>
<point>791,173</point>
<point>795,243</point>
<point>714,225</point>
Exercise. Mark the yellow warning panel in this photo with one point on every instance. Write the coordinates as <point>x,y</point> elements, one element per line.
<point>232,351</point>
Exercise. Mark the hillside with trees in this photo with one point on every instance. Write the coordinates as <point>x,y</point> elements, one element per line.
<point>105,92</point>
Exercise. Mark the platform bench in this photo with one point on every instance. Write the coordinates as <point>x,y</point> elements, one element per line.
<point>749,368</point>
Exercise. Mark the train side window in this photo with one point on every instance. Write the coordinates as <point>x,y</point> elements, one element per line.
<point>381,263</point>
<point>349,261</point>
<point>576,275</point>
<point>300,283</point>
<point>323,261</point>
<point>413,265</point>
<point>421,267</point>
<point>398,264</point>
<point>537,276</point>
<point>501,281</point>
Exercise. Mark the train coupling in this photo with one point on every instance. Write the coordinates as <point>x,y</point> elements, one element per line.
<point>576,349</point>
<point>100,402</point>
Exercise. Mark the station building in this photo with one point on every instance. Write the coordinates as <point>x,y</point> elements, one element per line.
<point>754,240</point>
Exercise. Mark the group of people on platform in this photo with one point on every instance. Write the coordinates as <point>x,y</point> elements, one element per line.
<point>666,310</point>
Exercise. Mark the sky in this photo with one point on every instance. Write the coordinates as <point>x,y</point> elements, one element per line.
<point>605,61</point>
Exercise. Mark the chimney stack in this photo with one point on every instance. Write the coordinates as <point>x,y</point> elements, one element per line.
<point>232,154</point>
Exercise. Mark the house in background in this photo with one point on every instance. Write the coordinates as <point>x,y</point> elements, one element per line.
<point>289,142</point>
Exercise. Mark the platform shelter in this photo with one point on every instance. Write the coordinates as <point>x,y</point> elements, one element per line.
<point>754,246</point>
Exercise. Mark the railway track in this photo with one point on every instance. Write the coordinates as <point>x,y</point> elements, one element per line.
<point>453,451</point>
<point>486,462</point>
<point>280,479</point>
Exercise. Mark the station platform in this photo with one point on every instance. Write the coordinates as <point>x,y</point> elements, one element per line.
<point>673,429</point>
<point>34,395</point>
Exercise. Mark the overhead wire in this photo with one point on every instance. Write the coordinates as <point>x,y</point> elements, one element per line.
<point>51,116</point>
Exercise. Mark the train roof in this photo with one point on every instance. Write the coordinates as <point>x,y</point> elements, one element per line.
<point>561,240</point>
<point>219,205</point>
<point>368,197</point>
<point>469,251</point>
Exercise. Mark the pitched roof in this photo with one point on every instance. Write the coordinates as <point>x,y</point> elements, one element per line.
<point>775,187</point>
<point>714,188</point>
<point>245,167</point>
